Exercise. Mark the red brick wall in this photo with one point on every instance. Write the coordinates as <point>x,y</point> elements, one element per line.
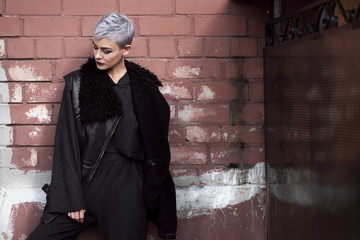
<point>208,55</point>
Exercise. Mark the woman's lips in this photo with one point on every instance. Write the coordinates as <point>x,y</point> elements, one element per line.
<point>99,63</point>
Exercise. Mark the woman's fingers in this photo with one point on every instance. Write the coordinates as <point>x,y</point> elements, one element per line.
<point>77,215</point>
<point>82,215</point>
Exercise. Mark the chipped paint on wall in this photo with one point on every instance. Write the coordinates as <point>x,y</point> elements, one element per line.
<point>41,112</point>
<point>5,114</point>
<point>2,48</point>
<point>34,133</point>
<point>2,73</point>
<point>195,201</point>
<point>16,94</point>
<point>4,92</point>
<point>5,157</point>
<point>175,91</point>
<point>6,134</point>
<point>11,197</point>
<point>222,189</point>
<point>206,93</point>
<point>24,73</point>
<point>186,72</point>
<point>187,114</point>
<point>33,160</point>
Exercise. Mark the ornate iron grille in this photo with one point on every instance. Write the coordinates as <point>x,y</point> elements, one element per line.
<point>316,17</point>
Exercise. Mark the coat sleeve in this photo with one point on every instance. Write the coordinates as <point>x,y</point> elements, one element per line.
<point>66,193</point>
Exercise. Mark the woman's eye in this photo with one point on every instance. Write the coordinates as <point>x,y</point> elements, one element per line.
<point>107,52</point>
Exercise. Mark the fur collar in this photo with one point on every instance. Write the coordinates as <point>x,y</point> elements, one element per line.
<point>97,99</point>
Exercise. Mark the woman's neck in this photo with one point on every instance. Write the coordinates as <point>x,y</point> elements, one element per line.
<point>117,72</point>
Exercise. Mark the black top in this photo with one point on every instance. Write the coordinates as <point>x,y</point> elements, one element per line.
<point>127,137</point>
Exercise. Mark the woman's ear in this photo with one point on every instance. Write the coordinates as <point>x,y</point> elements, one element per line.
<point>127,49</point>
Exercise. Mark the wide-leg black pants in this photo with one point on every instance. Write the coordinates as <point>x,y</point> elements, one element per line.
<point>114,199</point>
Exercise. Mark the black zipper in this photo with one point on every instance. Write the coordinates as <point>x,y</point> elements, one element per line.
<point>102,151</point>
<point>52,218</point>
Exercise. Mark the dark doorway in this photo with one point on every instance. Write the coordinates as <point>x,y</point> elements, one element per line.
<point>312,109</point>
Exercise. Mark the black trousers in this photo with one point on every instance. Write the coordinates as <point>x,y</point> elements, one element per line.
<point>114,199</point>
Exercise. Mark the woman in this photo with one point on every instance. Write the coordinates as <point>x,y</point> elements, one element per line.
<point>111,153</point>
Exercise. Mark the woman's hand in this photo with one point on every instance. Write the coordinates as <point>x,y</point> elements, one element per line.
<point>77,215</point>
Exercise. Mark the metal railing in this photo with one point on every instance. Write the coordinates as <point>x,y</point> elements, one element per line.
<point>316,17</point>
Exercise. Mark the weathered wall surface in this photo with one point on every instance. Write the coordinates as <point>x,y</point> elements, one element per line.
<point>208,55</point>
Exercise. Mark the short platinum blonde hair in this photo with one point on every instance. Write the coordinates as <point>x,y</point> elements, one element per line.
<point>115,27</point>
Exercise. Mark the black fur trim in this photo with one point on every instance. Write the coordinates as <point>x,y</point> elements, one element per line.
<point>97,99</point>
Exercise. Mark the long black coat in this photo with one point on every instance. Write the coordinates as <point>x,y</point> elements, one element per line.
<point>88,115</point>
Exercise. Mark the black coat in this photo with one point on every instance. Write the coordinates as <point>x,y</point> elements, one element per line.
<point>88,115</point>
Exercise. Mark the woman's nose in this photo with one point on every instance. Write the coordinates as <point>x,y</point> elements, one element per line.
<point>97,54</point>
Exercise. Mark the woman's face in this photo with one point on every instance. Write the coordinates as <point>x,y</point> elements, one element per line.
<point>108,54</point>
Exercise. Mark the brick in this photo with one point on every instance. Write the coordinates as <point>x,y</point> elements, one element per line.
<point>28,70</point>
<point>39,158</point>
<point>244,47</point>
<point>242,133</point>
<point>176,133</point>
<point>87,26</point>
<point>220,26</point>
<point>261,46</point>
<point>1,7</point>
<point>224,155</point>
<point>156,66</point>
<point>49,48</point>
<point>165,25</point>
<point>77,47</point>
<point>5,114</point>
<point>202,7</point>
<point>177,90</point>
<point>214,113</point>
<point>257,91</point>
<point>162,47</point>
<point>7,135</point>
<point>2,49</point>
<point>30,114</point>
<point>253,155</point>
<point>43,92</point>
<point>184,177</point>
<point>256,8</point>
<point>175,173</point>
<point>138,47</point>
<point>34,135</point>
<point>194,69</point>
<point>25,216</point>
<point>64,67</point>
<point>234,69</point>
<point>249,113</point>
<point>203,133</point>
<point>245,68</point>
<point>172,112</point>
<point>221,91</point>
<point>217,47</point>
<point>20,48</point>
<point>10,93</point>
<point>51,26</point>
<point>144,7</point>
<point>256,26</point>
<point>85,7</point>
<point>10,26</point>
<point>190,47</point>
<point>33,7</point>
<point>55,115</point>
<point>188,155</point>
